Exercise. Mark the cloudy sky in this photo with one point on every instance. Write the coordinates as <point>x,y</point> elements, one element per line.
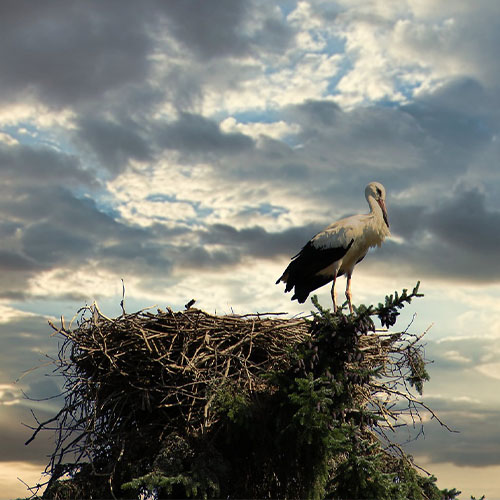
<point>191,147</point>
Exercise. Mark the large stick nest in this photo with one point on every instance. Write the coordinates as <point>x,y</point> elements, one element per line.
<point>176,359</point>
<point>155,373</point>
<point>145,375</point>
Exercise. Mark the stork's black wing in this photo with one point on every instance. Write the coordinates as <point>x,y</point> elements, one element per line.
<point>302,272</point>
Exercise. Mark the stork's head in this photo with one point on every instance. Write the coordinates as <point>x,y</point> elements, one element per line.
<point>376,191</point>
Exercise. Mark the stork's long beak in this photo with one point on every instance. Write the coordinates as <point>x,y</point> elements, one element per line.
<point>384,211</point>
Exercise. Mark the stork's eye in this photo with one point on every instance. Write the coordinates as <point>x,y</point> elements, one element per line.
<point>379,192</point>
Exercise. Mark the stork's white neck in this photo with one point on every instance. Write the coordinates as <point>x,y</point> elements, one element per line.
<point>378,215</point>
<point>374,207</point>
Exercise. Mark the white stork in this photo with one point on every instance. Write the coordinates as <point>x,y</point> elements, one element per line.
<point>338,248</point>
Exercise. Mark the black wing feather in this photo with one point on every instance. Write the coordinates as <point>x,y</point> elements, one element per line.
<point>302,271</point>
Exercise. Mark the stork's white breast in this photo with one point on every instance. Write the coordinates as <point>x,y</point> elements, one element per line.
<point>364,230</point>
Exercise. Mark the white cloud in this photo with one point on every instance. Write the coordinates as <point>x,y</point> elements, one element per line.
<point>468,311</point>
<point>490,370</point>
<point>304,18</point>
<point>86,283</point>
<point>8,139</point>
<point>382,59</point>
<point>160,194</point>
<point>201,194</point>
<point>36,114</point>
<point>300,76</point>
<point>382,9</point>
<point>456,356</point>
<point>277,130</point>
<point>250,287</point>
<point>10,394</point>
<point>417,45</point>
<point>9,313</point>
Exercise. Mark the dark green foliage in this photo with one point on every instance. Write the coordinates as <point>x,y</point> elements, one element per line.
<point>388,312</point>
<point>451,494</point>
<point>178,470</point>
<point>305,432</point>
<point>418,373</point>
<point>362,474</point>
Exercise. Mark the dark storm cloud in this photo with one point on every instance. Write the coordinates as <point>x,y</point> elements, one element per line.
<point>26,342</point>
<point>465,222</point>
<point>465,96</point>
<point>40,165</point>
<point>140,256</point>
<point>457,115</point>
<point>114,143</point>
<point>198,257</point>
<point>67,52</point>
<point>405,220</point>
<point>324,123</point>
<point>257,242</point>
<point>217,29</point>
<point>101,55</point>
<point>54,228</point>
<point>13,435</point>
<point>273,36</point>
<point>217,246</point>
<point>270,166</point>
<point>209,29</point>
<point>475,441</point>
<point>440,134</point>
<point>233,245</point>
<point>50,245</point>
<point>194,133</point>
<point>476,444</point>
<point>58,207</point>
<point>454,239</point>
<point>40,222</point>
<point>24,338</point>
<point>316,113</point>
<point>12,262</point>
<point>452,393</point>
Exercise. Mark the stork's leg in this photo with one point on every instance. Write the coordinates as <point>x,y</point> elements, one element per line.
<point>348,292</point>
<point>334,293</point>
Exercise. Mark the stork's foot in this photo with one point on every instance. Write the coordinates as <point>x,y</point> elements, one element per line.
<point>335,308</point>
<point>348,294</point>
<point>349,303</point>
